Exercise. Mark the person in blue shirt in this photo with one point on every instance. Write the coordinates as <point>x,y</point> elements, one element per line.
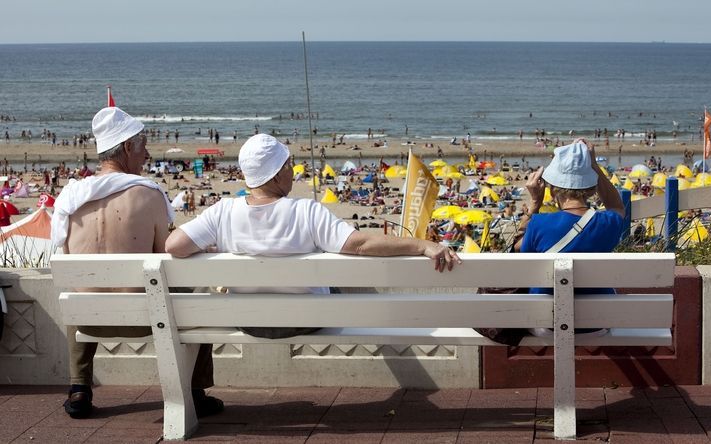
<point>573,177</point>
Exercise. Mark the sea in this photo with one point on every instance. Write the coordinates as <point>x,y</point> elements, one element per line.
<point>413,90</point>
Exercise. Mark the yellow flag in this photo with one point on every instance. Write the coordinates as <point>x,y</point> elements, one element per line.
<point>470,246</point>
<point>419,200</point>
<point>649,227</point>
<point>472,161</point>
<point>485,240</point>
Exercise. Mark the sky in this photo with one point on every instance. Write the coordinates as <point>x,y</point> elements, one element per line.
<point>82,21</point>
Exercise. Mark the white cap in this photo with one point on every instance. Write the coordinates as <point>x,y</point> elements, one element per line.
<point>261,158</point>
<point>571,168</point>
<point>112,126</point>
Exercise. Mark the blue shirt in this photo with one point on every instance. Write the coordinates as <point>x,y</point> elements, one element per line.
<point>600,235</point>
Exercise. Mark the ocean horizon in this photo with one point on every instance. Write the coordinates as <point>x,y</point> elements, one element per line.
<point>418,90</point>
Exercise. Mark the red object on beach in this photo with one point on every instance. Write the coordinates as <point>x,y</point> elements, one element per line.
<point>210,151</point>
<point>4,217</point>
<point>9,208</point>
<point>110,97</point>
<point>46,200</point>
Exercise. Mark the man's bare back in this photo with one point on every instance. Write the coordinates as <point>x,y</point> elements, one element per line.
<point>131,221</point>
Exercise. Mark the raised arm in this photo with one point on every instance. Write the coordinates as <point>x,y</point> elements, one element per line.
<point>370,244</point>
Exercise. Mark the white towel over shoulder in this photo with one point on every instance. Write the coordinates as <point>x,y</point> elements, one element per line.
<point>78,192</point>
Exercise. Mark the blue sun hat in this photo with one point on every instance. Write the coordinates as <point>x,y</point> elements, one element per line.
<point>571,168</point>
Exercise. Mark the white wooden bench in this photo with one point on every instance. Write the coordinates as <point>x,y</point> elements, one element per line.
<point>181,321</point>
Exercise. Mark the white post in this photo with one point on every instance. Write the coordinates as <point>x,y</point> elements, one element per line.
<point>175,361</point>
<point>564,349</point>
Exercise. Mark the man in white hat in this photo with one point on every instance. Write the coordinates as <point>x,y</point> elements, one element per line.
<point>269,223</point>
<point>116,211</point>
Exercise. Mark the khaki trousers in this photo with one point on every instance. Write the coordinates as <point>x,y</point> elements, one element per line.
<point>81,354</point>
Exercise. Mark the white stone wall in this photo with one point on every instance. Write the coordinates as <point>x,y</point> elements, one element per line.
<point>34,351</point>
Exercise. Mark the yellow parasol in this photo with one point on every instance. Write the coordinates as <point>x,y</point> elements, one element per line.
<point>638,174</point>
<point>472,217</point>
<point>439,163</point>
<point>659,180</point>
<point>488,192</point>
<point>446,212</point>
<point>615,180</point>
<point>497,180</point>
<point>683,171</point>
<point>628,185</point>
<point>328,169</point>
<point>329,197</point>
<point>299,169</point>
<point>470,246</point>
<point>548,209</point>
<point>695,233</point>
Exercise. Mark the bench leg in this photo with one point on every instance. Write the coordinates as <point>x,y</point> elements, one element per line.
<point>176,361</point>
<point>564,351</point>
<point>179,418</point>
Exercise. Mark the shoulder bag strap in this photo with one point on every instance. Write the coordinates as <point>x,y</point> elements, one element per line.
<point>574,231</point>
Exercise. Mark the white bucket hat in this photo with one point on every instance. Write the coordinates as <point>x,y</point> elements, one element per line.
<point>261,157</point>
<point>571,168</point>
<point>112,126</point>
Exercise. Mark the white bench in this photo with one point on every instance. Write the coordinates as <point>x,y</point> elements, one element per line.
<point>181,321</point>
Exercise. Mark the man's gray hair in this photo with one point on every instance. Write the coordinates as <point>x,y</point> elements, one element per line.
<point>115,152</point>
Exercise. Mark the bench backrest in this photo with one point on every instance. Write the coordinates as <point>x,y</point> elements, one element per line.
<point>432,309</point>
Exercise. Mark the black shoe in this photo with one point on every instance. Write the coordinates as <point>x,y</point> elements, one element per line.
<point>78,405</point>
<point>206,405</point>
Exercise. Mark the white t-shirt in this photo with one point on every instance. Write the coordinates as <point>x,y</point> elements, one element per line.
<point>281,228</point>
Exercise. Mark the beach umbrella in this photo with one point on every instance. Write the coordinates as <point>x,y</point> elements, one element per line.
<point>456,175</point>
<point>178,201</point>
<point>439,163</point>
<point>639,174</point>
<point>659,180</point>
<point>314,181</point>
<point>615,180</point>
<point>299,169</point>
<point>497,180</point>
<point>329,197</point>
<point>628,185</point>
<point>644,168</point>
<point>488,192</point>
<point>683,184</point>
<point>437,172</point>
<point>347,166</point>
<point>328,170</point>
<point>683,171</point>
<point>548,209</point>
<point>695,233</point>
<point>702,180</point>
<point>637,197</point>
<point>395,171</point>
<point>472,217</point>
<point>699,166</point>
<point>446,212</point>
<point>174,150</point>
<point>27,243</point>
<point>9,208</point>
<point>46,200</point>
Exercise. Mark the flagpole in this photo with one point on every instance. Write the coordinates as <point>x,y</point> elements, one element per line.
<point>308,109</point>
<point>703,147</point>
<point>108,95</point>
<point>404,193</point>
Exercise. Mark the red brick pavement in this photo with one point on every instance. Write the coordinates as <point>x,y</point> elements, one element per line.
<point>133,414</point>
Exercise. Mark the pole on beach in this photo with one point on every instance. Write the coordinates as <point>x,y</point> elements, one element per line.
<point>671,197</point>
<point>404,194</point>
<point>308,110</point>
<point>703,144</point>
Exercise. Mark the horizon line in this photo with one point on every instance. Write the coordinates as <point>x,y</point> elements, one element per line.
<point>353,41</point>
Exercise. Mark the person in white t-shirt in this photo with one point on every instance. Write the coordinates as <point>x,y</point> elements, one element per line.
<point>269,223</point>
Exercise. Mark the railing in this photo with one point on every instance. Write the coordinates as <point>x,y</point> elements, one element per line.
<point>667,205</point>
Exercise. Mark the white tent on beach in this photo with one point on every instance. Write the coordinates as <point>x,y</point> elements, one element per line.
<point>27,242</point>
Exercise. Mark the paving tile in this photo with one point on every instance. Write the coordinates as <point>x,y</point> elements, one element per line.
<point>681,427</point>
<point>217,432</point>
<point>272,437</point>
<point>55,435</point>
<point>59,418</point>
<point>516,414</point>
<point>519,394</point>
<point>495,436</point>
<point>119,391</point>
<point>632,426</point>
<point>591,431</point>
<point>692,390</point>
<point>700,406</point>
<point>139,415</point>
<point>423,415</point>
<point>124,436</point>
<point>32,389</point>
<point>429,437</point>
<point>671,408</point>
<point>545,394</point>
<point>357,418</point>
<point>4,398</point>
<point>242,396</point>
<point>640,438</point>
<point>661,392</point>
<point>13,425</point>
<point>314,395</point>
<point>36,403</point>
<point>349,395</point>
<point>344,437</point>
<point>435,396</point>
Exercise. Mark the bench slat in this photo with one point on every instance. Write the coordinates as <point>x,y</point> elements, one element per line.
<point>369,310</point>
<point>405,336</point>
<point>630,270</point>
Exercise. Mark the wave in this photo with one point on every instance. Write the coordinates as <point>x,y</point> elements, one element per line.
<point>173,119</point>
<point>364,136</point>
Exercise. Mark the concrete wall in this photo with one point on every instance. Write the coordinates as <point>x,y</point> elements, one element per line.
<point>34,351</point>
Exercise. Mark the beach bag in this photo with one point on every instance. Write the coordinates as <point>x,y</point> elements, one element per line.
<point>512,336</point>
